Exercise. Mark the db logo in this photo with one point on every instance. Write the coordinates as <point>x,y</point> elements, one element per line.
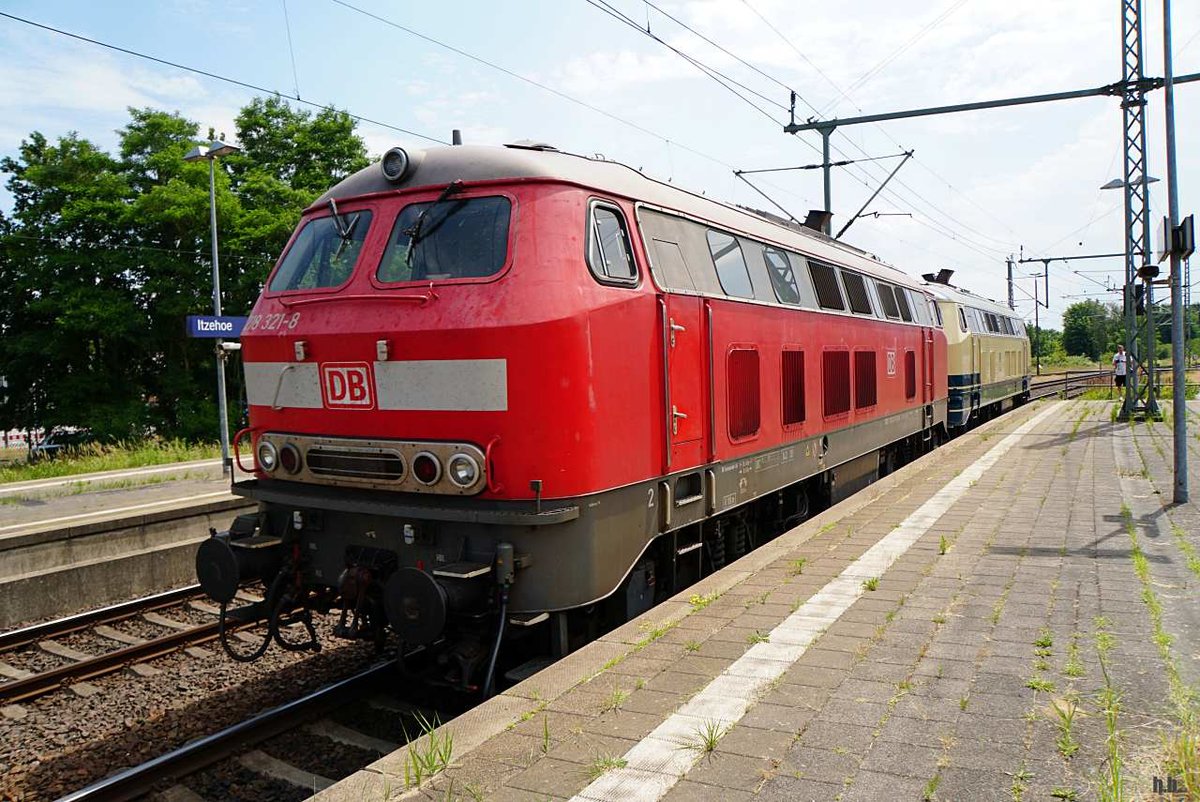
<point>347,385</point>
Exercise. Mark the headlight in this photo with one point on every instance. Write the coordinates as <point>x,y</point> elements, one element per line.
<point>463,470</point>
<point>426,468</point>
<point>394,164</point>
<point>268,456</point>
<point>290,459</point>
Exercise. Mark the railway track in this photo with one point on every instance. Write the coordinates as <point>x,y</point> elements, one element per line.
<point>285,753</point>
<point>1069,386</point>
<point>101,626</point>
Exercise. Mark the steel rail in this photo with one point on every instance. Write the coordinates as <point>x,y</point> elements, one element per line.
<point>46,681</point>
<point>139,780</point>
<point>17,638</point>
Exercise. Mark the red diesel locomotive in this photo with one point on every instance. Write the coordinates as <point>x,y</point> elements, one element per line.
<point>515,385</point>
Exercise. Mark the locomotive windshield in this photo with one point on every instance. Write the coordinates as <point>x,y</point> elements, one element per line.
<point>457,238</point>
<point>324,253</point>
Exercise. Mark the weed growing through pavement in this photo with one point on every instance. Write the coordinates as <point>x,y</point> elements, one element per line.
<point>963,702</point>
<point>545,735</point>
<point>1065,794</point>
<point>1189,551</point>
<point>940,618</point>
<point>1183,760</point>
<point>871,584</point>
<point>1020,781</point>
<point>428,754</point>
<point>614,701</point>
<point>757,637</point>
<point>943,544</point>
<point>1066,743</point>
<point>604,764</point>
<point>797,566</point>
<point>706,737</point>
<point>1045,639</point>
<point>1040,684</point>
<point>699,602</point>
<point>654,632</point>
<point>1073,666</point>
<point>692,646</point>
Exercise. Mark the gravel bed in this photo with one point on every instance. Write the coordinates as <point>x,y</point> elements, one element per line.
<point>141,628</point>
<point>319,755</point>
<point>187,615</point>
<point>88,642</point>
<point>66,741</point>
<point>231,781</point>
<point>31,658</point>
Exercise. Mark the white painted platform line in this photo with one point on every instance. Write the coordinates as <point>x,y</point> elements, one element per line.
<point>113,511</point>
<point>664,756</point>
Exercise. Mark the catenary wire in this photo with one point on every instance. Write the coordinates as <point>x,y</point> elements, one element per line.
<point>213,75</point>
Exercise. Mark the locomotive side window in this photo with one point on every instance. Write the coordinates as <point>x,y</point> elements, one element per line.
<point>829,294</point>
<point>456,238</point>
<point>793,387</point>
<point>962,320</point>
<point>887,297</point>
<point>856,292</point>
<point>835,382</point>
<point>744,404</point>
<point>323,254</point>
<point>865,389</point>
<point>731,265</point>
<point>608,254</point>
<point>779,268</point>
<point>937,312</point>
<point>902,302</point>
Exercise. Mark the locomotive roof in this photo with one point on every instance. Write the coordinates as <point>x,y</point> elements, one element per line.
<point>439,166</point>
<point>947,292</point>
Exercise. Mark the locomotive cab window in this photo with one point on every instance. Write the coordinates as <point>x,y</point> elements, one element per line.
<point>731,265</point>
<point>902,303</point>
<point>608,255</point>
<point>779,268</point>
<point>887,297</point>
<point>323,254</point>
<point>962,319</point>
<point>451,239</point>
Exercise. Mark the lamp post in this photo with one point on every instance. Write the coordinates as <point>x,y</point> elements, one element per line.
<point>212,152</point>
<point>1133,272</point>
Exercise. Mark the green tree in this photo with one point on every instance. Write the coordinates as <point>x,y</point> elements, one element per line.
<point>102,257</point>
<point>1091,328</point>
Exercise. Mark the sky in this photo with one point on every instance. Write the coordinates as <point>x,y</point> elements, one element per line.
<point>981,186</point>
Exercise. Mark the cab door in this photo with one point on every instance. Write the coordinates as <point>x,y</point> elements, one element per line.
<point>683,354</point>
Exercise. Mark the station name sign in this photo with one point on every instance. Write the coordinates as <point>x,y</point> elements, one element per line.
<point>226,326</point>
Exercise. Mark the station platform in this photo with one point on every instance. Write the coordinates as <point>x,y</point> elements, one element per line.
<point>75,542</point>
<point>1012,617</point>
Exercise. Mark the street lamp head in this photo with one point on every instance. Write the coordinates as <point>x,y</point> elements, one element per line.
<point>213,150</point>
<point>218,148</point>
<point>197,154</point>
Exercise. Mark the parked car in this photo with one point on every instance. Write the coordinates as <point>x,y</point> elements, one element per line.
<point>61,439</point>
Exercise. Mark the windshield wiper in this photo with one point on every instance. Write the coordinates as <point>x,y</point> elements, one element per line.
<point>414,232</point>
<point>345,228</point>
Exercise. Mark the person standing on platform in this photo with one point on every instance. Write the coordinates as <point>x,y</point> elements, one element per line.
<point>1119,361</point>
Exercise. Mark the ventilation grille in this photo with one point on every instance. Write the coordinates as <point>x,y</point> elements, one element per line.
<point>864,379</point>
<point>910,374</point>
<point>835,375</point>
<point>793,387</point>
<point>856,291</point>
<point>829,295</point>
<point>355,464</point>
<point>744,415</point>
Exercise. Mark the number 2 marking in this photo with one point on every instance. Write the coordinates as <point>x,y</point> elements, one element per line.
<point>650,504</point>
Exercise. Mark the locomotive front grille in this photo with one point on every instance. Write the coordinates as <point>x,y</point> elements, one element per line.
<point>406,466</point>
<point>357,465</point>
